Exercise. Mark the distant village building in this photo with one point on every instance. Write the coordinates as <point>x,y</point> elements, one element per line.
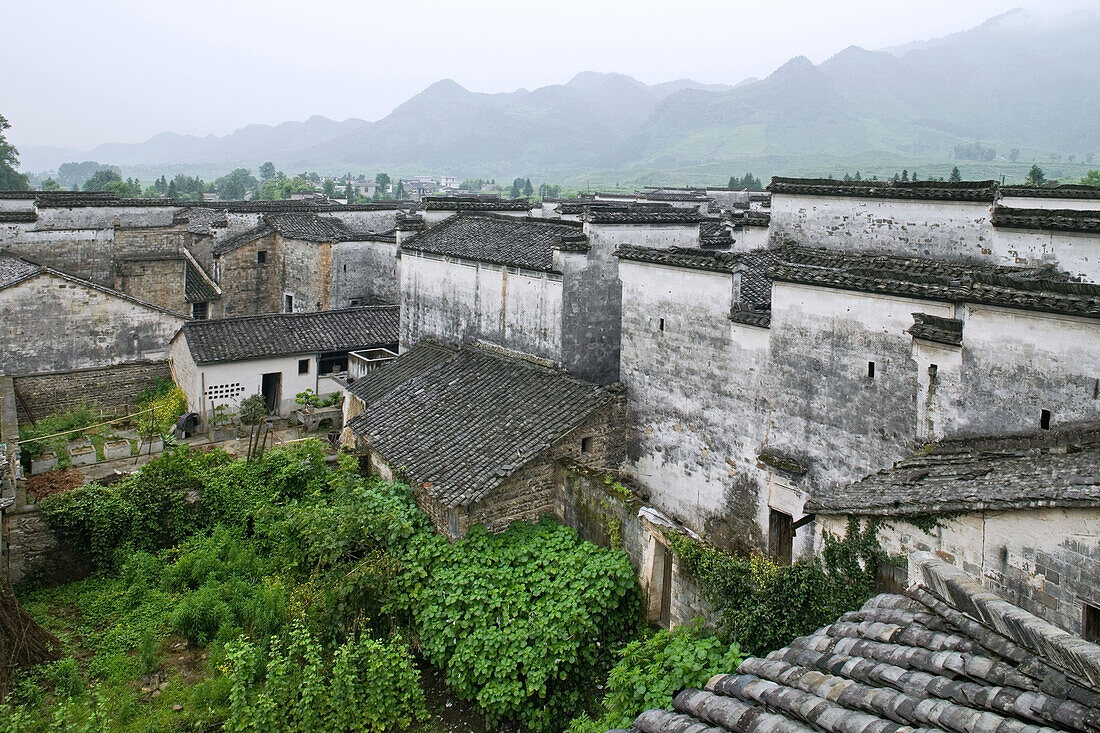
<point>279,355</point>
<point>478,432</point>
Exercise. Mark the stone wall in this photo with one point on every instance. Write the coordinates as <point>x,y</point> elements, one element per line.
<point>111,390</point>
<point>248,285</point>
<point>86,253</point>
<point>1045,560</point>
<point>161,282</point>
<point>305,271</point>
<point>54,324</point>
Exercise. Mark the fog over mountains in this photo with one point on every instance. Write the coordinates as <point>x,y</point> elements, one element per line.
<point>1013,82</point>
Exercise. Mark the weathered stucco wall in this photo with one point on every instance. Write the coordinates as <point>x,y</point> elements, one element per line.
<point>1045,560</point>
<point>1016,363</point>
<point>457,301</point>
<point>367,272</point>
<point>210,385</point>
<point>944,229</point>
<point>53,324</point>
<point>1078,253</point>
<point>305,271</point>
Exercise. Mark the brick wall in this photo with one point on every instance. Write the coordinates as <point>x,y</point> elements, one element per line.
<point>111,390</point>
<point>160,282</point>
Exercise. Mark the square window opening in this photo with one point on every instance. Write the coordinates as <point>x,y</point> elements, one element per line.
<point>199,311</point>
<point>288,303</point>
<point>261,256</point>
<point>870,370</point>
<point>586,445</point>
<point>303,366</point>
<point>1090,623</point>
<point>1044,419</point>
<point>661,324</point>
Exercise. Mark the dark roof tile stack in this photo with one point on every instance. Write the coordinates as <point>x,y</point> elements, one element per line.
<point>501,240</point>
<point>1054,468</point>
<point>14,270</point>
<point>936,328</point>
<point>197,289</point>
<point>280,334</point>
<point>984,191</point>
<point>640,215</point>
<point>948,655</point>
<point>460,423</point>
<point>1059,220</point>
<point>473,203</point>
<point>235,241</point>
<point>1063,191</point>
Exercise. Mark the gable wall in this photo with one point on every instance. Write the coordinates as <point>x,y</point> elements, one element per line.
<point>51,324</point>
<point>459,301</point>
<point>367,271</point>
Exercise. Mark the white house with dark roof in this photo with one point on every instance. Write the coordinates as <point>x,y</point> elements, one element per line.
<point>279,355</point>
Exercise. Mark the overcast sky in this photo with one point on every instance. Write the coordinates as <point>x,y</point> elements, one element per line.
<point>75,73</point>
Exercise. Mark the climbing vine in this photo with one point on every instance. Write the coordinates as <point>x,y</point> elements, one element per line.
<point>763,605</point>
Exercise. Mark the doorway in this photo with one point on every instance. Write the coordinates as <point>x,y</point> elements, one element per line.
<point>660,585</point>
<point>271,387</point>
<point>781,536</point>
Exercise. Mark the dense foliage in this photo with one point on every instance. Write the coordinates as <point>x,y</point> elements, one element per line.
<point>160,406</point>
<point>522,621</point>
<point>651,671</point>
<point>307,588</point>
<point>762,605</point>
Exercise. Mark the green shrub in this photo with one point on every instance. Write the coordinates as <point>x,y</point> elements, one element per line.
<point>165,404</point>
<point>64,677</point>
<point>78,417</point>
<point>366,685</point>
<point>522,621</point>
<point>763,606</point>
<point>651,671</point>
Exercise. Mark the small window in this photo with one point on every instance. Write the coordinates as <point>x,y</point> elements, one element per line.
<point>199,311</point>
<point>780,536</point>
<point>932,371</point>
<point>345,268</point>
<point>1090,623</point>
<point>261,256</point>
<point>1044,419</point>
<point>661,324</point>
<point>870,370</point>
<point>586,445</point>
<point>356,302</point>
<point>288,303</point>
<point>303,366</point>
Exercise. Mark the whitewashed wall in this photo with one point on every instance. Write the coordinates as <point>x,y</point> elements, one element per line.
<point>227,383</point>
<point>1078,253</point>
<point>457,301</point>
<point>943,229</point>
<point>1025,202</point>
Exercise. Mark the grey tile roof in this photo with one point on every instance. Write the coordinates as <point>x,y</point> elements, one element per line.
<point>1060,220</point>
<point>379,383</point>
<point>501,240</point>
<point>459,426</point>
<point>756,219</point>
<point>196,288</point>
<point>309,227</point>
<point>301,206</point>
<point>713,233</point>
<point>473,203</point>
<point>935,328</point>
<point>15,270</point>
<point>926,190</point>
<point>18,217</point>
<point>1042,289</point>
<point>946,656</point>
<point>600,215</point>
<point>756,286</point>
<point>279,334</point>
<point>237,241</point>
<point>200,219</point>
<point>1052,468</point>
<point>1064,191</point>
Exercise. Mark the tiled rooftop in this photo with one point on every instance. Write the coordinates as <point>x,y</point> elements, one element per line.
<point>946,656</point>
<point>15,270</point>
<point>280,334</point>
<point>1064,191</point>
<point>926,190</point>
<point>500,240</point>
<point>473,203</point>
<point>936,328</point>
<point>600,215</point>
<point>1052,468</point>
<point>461,422</point>
<point>1061,220</point>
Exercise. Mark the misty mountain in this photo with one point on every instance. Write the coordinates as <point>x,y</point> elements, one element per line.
<point>1012,82</point>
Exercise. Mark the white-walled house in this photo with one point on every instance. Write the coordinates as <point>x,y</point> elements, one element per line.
<point>221,362</point>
